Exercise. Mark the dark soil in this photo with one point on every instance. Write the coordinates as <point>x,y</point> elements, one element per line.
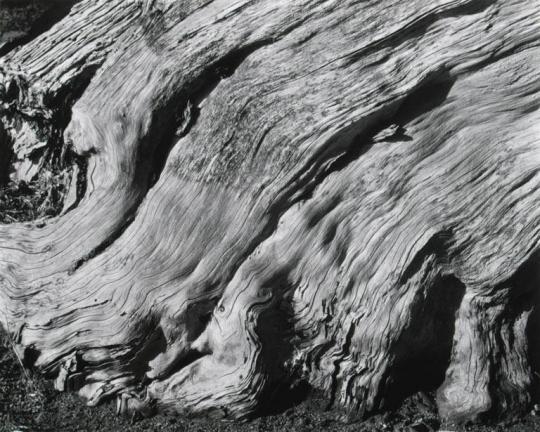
<point>29,403</point>
<point>22,202</point>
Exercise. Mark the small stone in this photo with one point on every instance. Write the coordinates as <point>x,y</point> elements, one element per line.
<point>305,421</point>
<point>418,428</point>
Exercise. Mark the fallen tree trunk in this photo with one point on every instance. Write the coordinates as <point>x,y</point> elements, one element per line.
<point>254,193</point>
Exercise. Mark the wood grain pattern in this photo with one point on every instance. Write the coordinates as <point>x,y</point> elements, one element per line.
<point>340,192</point>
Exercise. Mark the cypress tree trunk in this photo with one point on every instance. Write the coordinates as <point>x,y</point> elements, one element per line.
<point>205,199</point>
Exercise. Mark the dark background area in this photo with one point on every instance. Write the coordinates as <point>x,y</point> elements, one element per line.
<point>29,403</point>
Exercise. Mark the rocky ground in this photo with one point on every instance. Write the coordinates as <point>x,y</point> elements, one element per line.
<point>20,20</point>
<point>29,403</point>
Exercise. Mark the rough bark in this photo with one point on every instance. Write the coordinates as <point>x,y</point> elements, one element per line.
<point>258,192</point>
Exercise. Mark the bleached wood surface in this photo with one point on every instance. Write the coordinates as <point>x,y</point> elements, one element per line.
<point>344,192</point>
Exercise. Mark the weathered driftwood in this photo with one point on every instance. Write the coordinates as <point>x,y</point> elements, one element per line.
<point>340,192</point>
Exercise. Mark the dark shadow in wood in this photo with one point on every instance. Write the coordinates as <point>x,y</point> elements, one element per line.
<point>424,350</point>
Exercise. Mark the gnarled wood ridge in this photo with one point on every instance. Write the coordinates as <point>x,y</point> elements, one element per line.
<point>344,193</point>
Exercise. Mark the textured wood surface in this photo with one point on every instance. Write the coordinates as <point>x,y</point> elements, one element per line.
<point>345,193</point>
